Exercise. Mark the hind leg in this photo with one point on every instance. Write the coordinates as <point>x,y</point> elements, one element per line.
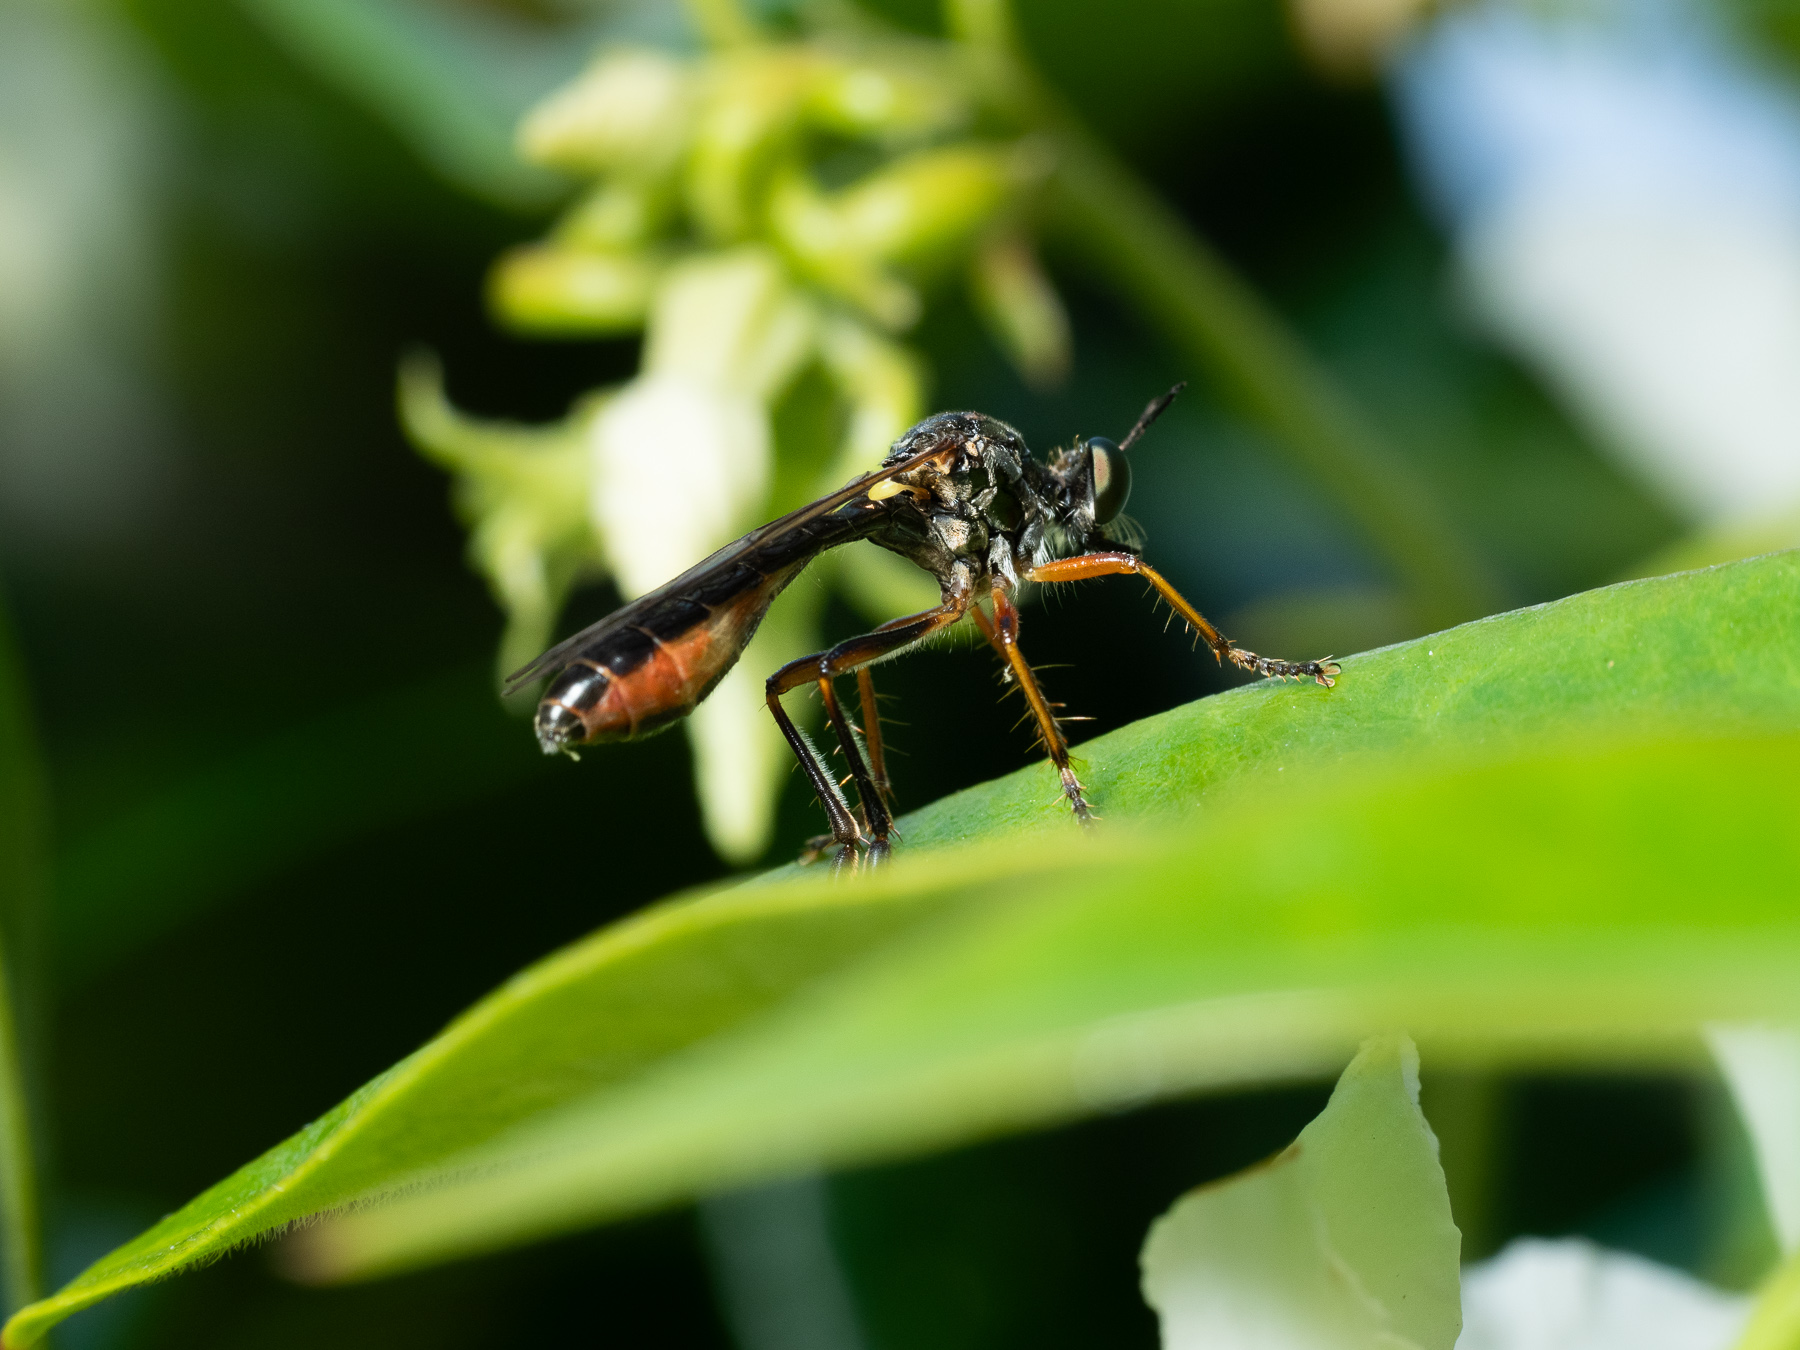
<point>824,668</point>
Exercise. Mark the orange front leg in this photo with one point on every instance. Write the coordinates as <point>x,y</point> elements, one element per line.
<point>1002,631</point>
<point>1223,649</point>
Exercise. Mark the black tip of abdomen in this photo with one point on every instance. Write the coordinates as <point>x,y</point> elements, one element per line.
<point>558,729</point>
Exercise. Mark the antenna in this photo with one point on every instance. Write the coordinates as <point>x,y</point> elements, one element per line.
<point>1156,409</point>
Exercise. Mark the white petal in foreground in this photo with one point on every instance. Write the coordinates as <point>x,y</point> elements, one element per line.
<point>1342,1242</point>
<point>1762,1066</point>
<point>1571,1295</point>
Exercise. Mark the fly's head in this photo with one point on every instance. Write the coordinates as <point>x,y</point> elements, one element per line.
<point>1089,483</point>
<point>1086,486</point>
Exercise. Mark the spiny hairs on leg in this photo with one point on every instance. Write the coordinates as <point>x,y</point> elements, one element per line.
<point>1324,672</point>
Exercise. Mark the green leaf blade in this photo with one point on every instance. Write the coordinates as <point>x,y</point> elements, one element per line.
<point>1124,976</point>
<point>1209,934</point>
<point>1714,650</point>
<point>660,980</point>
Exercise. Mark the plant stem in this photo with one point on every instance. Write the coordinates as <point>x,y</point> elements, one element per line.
<point>1147,253</point>
<point>1775,1317</point>
<point>1218,322</point>
<point>24,874</point>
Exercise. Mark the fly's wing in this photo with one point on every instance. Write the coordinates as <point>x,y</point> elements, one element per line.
<point>559,655</point>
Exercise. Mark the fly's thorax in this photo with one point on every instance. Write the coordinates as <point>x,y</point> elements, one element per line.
<point>979,499</point>
<point>961,533</point>
<point>959,434</point>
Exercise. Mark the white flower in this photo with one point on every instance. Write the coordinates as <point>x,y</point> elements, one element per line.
<point>681,466</point>
<point>1625,193</point>
<point>678,466</point>
<point>1572,1295</point>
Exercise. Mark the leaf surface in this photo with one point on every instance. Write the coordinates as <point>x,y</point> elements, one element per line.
<point>1585,907</point>
<point>1704,649</point>
<point>1037,974</point>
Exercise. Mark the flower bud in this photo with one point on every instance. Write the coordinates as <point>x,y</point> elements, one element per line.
<point>546,288</point>
<point>928,203</point>
<point>750,116</point>
<point>629,110</point>
<point>897,96</point>
<point>917,212</point>
<point>619,215</point>
<point>813,232</point>
<point>733,319</point>
<point>680,466</point>
<point>523,493</point>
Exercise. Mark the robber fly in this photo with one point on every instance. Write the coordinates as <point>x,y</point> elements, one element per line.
<point>960,496</point>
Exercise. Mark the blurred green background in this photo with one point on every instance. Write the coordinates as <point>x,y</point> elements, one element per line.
<point>293,830</point>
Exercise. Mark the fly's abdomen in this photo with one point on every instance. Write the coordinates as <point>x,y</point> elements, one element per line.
<point>639,679</point>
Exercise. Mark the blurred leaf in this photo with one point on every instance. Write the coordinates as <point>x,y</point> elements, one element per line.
<point>452,80</point>
<point>1564,903</point>
<point>24,887</point>
<point>1341,1242</point>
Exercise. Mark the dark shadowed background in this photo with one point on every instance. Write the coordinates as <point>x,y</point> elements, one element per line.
<point>294,831</point>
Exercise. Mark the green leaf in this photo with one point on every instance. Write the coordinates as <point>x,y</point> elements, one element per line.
<point>1579,907</point>
<point>1344,1241</point>
<point>451,83</point>
<point>1709,649</point>
<point>1501,887</point>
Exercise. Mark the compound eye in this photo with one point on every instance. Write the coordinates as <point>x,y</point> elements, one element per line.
<point>1112,479</point>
